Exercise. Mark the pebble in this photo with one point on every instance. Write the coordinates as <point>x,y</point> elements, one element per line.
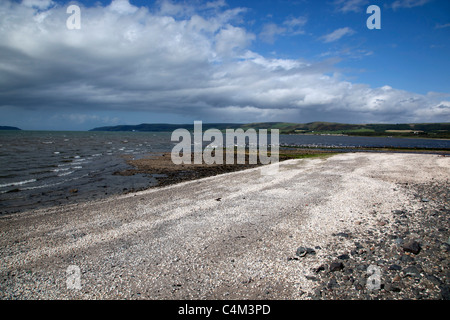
<point>411,260</point>
<point>412,272</point>
<point>395,267</point>
<point>336,266</point>
<point>412,246</point>
<point>342,234</point>
<point>303,251</point>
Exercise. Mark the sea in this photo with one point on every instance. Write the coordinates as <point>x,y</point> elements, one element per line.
<point>48,168</point>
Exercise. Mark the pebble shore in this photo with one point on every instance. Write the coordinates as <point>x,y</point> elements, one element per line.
<point>351,226</point>
<point>409,254</point>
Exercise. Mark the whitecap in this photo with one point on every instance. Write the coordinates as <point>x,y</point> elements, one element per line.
<point>65,173</point>
<point>61,169</point>
<point>19,183</point>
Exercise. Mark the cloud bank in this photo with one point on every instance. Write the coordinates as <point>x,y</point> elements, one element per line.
<point>183,60</point>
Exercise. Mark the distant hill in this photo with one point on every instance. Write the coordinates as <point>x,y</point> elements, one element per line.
<point>426,130</point>
<point>165,127</point>
<point>9,128</point>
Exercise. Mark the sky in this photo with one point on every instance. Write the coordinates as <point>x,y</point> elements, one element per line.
<point>168,61</point>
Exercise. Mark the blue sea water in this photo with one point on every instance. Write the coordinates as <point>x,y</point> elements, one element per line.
<point>39,168</point>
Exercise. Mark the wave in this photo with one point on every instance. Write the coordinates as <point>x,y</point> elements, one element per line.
<point>19,183</point>
<point>65,173</point>
<point>61,169</point>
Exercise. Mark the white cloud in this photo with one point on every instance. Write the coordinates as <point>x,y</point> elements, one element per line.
<point>40,4</point>
<point>337,34</point>
<point>350,5</point>
<point>231,39</point>
<point>270,31</point>
<point>438,111</point>
<point>441,26</point>
<point>295,25</point>
<point>291,26</point>
<point>122,7</point>
<point>128,60</point>
<point>408,3</point>
<point>216,4</point>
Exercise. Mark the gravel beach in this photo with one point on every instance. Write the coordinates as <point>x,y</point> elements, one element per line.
<point>349,226</point>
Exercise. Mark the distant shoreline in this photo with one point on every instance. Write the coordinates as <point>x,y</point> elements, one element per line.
<point>8,128</point>
<point>412,130</point>
<point>281,133</point>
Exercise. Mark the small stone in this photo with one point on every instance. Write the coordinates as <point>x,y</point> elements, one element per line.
<point>336,266</point>
<point>358,245</point>
<point>302,251</point>
<point>73,190</point>
<point>433,280</point>
<point>359,286</point>
<point>445,247</point>
<point>406,258</point>
<point>319,268</point>
<point>445,292</point>
<point>412,246</point>
<point>332,283</point>
<point>343,257</point>
<point>395,267</point>
<point>425,200</point>
<point>342,234</point>
<point>391,287</point>
<point>412,272</point>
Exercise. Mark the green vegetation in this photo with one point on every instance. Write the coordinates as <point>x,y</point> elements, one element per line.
<point>284,156</point>
<point>416,130</point>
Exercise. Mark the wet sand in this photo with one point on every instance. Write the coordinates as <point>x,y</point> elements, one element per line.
<point>230,236</point>
<point>161,167</point>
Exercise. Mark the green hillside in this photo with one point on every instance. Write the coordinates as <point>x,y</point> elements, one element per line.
<point>423,130</point>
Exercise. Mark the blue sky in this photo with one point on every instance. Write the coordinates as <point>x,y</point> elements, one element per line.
<point>137,62</point>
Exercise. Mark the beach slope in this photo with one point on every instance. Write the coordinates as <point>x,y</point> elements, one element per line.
<point>308,232</point>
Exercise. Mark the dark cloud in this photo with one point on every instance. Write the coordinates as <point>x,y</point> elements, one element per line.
<point>177,60</point>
